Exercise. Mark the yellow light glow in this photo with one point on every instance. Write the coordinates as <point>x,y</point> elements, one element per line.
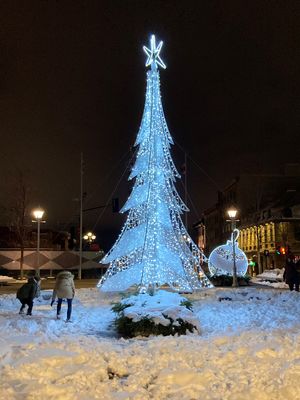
<point>232,213</point>
<point>38,213</point>
<point>89,236</point>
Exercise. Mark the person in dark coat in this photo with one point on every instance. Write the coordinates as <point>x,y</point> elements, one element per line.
<point>26,294</point>
<point>297,263</point>
<point>291,276</point>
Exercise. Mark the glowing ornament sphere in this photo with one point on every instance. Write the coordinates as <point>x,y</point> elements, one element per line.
<point>220,261</point>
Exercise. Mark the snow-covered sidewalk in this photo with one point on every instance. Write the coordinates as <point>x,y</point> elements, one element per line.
<point>249,348</point>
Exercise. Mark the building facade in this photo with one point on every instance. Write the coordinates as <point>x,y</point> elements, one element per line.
<point>268,217</point>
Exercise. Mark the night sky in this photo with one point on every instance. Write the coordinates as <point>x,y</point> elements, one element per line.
<point>73,79</point>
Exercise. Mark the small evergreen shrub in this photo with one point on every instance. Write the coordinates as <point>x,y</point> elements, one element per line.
<point>226,280</point>
<point>146,327</point>
<point>163,313</point>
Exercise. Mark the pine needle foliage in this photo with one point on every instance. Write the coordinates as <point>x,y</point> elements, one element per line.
<point>146,327</point>
<point>127,328</point>
<point>226,280</point>
<point>119,307</point>
<point>188,304</point>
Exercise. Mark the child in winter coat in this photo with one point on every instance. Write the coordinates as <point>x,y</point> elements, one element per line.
<point>26,294</point>
<point>64,289</point>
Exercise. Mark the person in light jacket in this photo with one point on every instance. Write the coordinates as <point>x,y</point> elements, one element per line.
<point>64,289</point>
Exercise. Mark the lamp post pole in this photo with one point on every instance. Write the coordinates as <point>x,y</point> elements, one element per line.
<point>38,215</point>
<point>81,216</point>
<point>38,244</point>
<point>234,275</point>
<point>232,214</point>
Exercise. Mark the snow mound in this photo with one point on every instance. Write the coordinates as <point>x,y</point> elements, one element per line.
<point>4,279</point>
<point>272,275</point>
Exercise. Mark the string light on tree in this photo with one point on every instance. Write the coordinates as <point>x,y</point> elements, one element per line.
<point>154,247</point>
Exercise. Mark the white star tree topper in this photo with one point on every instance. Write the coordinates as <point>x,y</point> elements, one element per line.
<point>153,53</point>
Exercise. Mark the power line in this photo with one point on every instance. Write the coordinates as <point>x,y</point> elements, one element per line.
<point>198,166</point>
<point>116,187</point>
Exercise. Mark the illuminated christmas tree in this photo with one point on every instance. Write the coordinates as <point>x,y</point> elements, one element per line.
<point>154,248</point>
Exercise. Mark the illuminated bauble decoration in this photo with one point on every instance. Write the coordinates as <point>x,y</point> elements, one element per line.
<point>220,261</point>
<point>154,247</point>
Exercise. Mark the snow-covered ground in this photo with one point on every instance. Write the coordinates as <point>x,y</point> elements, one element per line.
<point>5,279</point>
<point>272,275</point>
<point>248,348</point>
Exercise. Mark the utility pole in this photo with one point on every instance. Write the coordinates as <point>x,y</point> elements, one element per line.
<point>80,217</point>
<point>185,189</point>
<point>258,200</point>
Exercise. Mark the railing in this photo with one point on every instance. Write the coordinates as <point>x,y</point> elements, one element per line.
<point>49,259</point>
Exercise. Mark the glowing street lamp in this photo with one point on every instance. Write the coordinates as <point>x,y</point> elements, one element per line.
<point>38,215</point>
<point>90,237</point>
<point>232,212</point>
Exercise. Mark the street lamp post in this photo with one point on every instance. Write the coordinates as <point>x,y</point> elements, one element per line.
<point>232,214</point>
<point>81,216</point>
<point>89,237</point>
<point>38,215</point>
